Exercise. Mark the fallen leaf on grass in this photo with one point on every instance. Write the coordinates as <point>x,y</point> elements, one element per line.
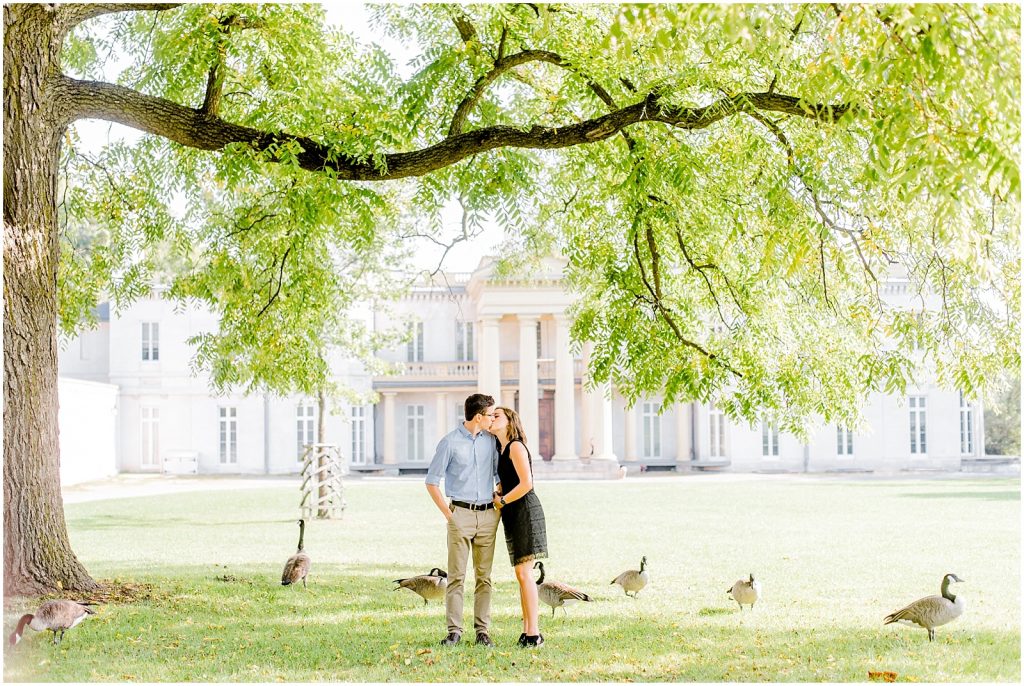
<point>882,676</point>
<point>423,651</point>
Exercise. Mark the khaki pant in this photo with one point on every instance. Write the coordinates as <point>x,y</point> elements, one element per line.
<point>467,530</point>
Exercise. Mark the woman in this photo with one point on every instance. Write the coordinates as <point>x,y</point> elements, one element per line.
<point>521,514</point>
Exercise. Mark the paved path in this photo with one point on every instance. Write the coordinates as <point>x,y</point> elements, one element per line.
<point>137,485</point>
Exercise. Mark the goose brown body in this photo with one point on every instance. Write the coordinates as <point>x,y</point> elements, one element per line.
<point>745,592</point>
<point>296,569</point>
<point>54,615</point>
<point>633,581</point>
<point>931,611</point>
<point>430,586</point>
<point>555,593</point>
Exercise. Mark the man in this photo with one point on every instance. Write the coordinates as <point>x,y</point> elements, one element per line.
<point>467,460</point>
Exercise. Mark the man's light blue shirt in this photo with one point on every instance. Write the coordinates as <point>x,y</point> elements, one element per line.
<point>468,464</point>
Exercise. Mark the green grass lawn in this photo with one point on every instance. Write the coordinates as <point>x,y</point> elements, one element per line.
<point>833,556</point>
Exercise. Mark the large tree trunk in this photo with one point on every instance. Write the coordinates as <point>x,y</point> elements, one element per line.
<point>37,554</point>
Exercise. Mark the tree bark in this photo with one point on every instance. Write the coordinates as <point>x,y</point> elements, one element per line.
<point>37,553</point>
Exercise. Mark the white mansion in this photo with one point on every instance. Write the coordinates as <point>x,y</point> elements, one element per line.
<point>507,338</point>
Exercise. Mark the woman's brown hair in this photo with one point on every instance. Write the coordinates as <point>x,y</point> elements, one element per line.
<point>515,426</point>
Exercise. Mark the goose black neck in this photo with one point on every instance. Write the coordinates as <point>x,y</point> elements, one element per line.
<point>540,579</point>
<point>302,531</point>
<point>20,629</point>
<point>945,590</point>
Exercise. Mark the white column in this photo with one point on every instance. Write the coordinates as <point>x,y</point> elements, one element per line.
<point>682,433</point>
<point>389,427</point>
<point>528,411</point>
<point>630,434</point>
<point>587,444</point>
<point>601,416</point>
<point>489,358</point>
<point>695,420</point>
<point>508,397</point>
<point>979,426</point>
<point>565,393</point>
<point>441,415</point>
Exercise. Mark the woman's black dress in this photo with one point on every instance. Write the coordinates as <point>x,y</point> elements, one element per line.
<point>523,519</point>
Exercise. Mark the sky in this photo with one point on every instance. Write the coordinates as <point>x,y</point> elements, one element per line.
<point>353,17</point>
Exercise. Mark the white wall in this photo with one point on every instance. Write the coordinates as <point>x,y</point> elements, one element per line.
<point>87,419</point>
<point>86,356</point>
<point>438,312</point>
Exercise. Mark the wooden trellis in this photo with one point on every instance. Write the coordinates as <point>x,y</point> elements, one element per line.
<point>323,494</point>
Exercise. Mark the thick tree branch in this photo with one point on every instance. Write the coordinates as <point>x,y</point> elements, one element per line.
<point>73,14</point>
<point>214,87</point>
<point>501,65</point>
<point>189,127</point>
<point>501,43</point>
<point>215,79</point>
<point>465,27</point>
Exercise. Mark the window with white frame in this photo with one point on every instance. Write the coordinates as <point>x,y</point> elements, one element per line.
<point>415,433</point>
<point>918,425</point>
<point>844,441</point>
<point>305,426</point>
<point>966,426</point>
<point>150,341</point>
<point>359,434</point>
<point>228,435</point>
<point>652,430</point>
<point>464,341</point>
<point>769,438</point>
<point>150,433</point>
<point>414,348</point>
<point>716,433</point>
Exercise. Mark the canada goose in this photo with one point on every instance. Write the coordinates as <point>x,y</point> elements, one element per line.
<point>557,594</point>
<point>633,580</point>
<point>931,611</point>
<point>430,586</point>
<point>54,615</point>
<point>297,567</point>
<point>745,592</point>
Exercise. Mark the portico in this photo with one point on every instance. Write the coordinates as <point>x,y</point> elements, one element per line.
<point>525,350</point>
<point>509,337</point>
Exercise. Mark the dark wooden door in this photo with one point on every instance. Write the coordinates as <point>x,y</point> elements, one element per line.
<point>546,430</point>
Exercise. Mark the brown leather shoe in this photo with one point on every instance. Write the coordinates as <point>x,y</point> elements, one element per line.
<point>482,639</point>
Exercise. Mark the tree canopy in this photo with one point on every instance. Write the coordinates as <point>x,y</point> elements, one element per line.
<point>732,185</point>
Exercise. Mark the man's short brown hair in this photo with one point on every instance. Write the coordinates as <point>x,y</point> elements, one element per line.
<point>477,404</point>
